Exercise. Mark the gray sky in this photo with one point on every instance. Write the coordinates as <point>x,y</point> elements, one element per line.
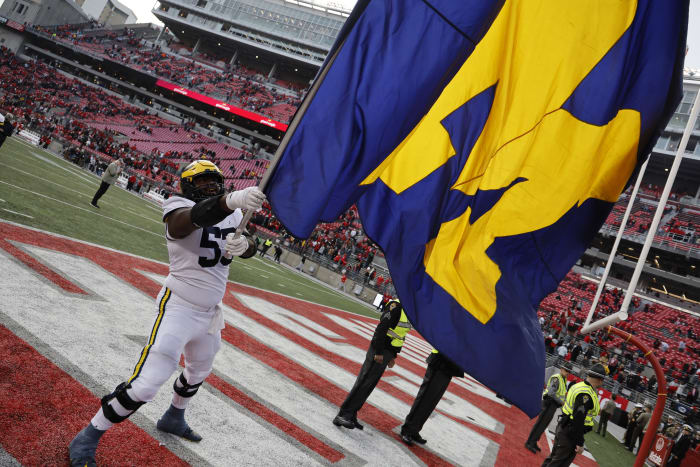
<point>142,9</point>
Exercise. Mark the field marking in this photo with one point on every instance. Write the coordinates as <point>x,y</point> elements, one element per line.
<point>18,213</point>
<point>133,255</point>
<point>45,159</point>
<point>83,177</point>
<point>77,171</point>
<point>326,288</point>
<point>35,148</point>
<point>82,209</point>
<point>86,195</point>
<point>293,272</point>
<point>3,201</point>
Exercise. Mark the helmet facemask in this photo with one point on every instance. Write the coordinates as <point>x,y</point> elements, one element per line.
<point>203,186</point>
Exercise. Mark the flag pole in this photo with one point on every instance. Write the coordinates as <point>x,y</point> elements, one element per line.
<point>611,258</point>
<point>622,314</point>
<point>288,134</point>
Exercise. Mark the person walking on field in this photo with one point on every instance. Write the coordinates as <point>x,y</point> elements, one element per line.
<point>605,414</point>
<point>553,397</point>
<point>108,177</point>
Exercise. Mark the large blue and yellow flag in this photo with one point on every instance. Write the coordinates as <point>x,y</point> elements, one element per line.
<point>484,142</point>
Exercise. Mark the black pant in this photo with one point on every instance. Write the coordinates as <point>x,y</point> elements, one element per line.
<point>603,424</point>
<point>366,381</point>
<point>100,191</point>
<point>563,451</point>
<point>549,407</point>
<point>431,391</point>
<point>628,433</point>
<point>636,437</point>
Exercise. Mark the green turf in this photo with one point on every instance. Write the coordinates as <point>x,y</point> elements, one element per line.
<point>608,451</point>
<point>57,195</point>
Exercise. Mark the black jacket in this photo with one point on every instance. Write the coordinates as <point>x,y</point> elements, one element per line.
<point>681,447</point>
<point>7,130</point>
<point>576,428</point>
<point>380,340</point>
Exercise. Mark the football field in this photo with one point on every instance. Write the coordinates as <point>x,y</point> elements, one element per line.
<point>78,287</point>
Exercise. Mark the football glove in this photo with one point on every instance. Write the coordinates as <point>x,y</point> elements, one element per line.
<point>247,198</point>
<point>235,246</point>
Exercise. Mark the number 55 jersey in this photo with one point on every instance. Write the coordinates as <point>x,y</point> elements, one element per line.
<point>198,268</point>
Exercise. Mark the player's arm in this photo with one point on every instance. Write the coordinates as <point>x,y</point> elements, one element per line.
<point>211,211</point>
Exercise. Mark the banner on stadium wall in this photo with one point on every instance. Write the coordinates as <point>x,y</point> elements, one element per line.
<point>14,25</point>
<point>222,105</point>
<point>620,402</point>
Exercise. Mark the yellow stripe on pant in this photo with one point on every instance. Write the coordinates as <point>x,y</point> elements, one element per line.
<point>154,332</point>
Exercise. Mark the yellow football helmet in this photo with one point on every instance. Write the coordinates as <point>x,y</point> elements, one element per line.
<point>199,191</point>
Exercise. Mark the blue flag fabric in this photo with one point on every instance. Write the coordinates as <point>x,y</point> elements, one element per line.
<point>484,142</point>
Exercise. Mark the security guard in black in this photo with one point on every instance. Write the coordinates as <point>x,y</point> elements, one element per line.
<point>580,408</point>
<point>386,344</point>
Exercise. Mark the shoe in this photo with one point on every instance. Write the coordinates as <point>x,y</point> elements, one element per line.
<point>410,439</point>
<point>94,205</point>
<point>173,422</point>
<point>358,425</point>
<point>81,449</point>
<point>87,462</point>
<point>344,422</point>
<point>531,448</point>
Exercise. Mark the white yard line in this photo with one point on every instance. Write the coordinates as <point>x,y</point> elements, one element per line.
<point>88,196</point>
<point>18,213</point>
<point>92,210</point>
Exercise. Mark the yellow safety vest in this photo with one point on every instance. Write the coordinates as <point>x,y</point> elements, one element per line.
<point>561,389</point>
<point>398,334</point>
<point>571,396</point>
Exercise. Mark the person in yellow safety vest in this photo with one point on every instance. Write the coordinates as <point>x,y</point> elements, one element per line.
<point>438,375</point>
<point>553,397</point>
<point>387,341</point>
<point>581,406</point>
<point>265,246</point>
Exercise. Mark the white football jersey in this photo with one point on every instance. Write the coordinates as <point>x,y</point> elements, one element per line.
<point>198,268</point>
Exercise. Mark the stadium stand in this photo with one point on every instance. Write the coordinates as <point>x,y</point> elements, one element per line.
<point>237,84</point>
<point>98,126</point>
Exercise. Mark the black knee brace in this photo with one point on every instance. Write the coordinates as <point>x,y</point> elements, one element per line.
<point>186,390</point>
<point>124,400</point>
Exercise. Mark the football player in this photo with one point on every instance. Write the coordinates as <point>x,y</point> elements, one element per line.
<point>199,227</point>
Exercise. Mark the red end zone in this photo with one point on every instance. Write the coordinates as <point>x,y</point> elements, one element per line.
<point>42,421</point>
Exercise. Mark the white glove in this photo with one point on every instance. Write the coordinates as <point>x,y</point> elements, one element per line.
<point>235,246</point>
<point>247,198</point>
